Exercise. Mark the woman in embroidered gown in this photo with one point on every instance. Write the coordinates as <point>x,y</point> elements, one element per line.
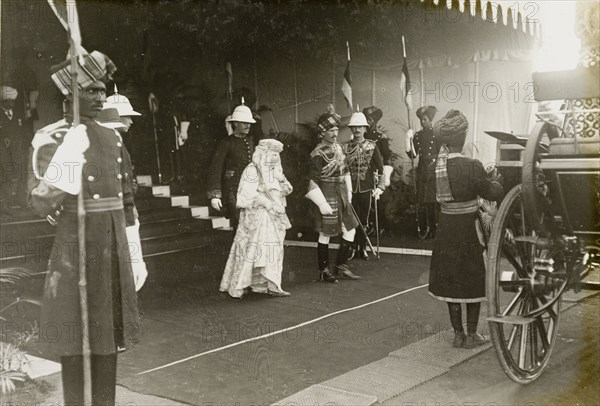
<point>457,273</point>
<point>256,256</point>
<point>330,189</point>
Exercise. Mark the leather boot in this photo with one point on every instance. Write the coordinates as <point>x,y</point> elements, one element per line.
<point>341,268</point>
<point>323,260</point>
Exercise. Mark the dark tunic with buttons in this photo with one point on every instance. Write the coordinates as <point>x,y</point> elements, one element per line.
<point>457,272</point>
<point>383,144</point>
<point>427,148</point>
<point>364,160</point>
<point>112,301</point>
<point>232,156</point>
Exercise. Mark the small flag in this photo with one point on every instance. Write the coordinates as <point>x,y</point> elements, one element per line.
<point>347,82</point>
<point>405,85</point>
<point>66,12</point>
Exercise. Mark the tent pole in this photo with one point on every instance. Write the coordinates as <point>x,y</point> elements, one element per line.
<point>255,77</point>
<point>332,78</point>
<point>372,86</point>
<point>422,79</point>
<point>476,106</point>
<point>295,94</point>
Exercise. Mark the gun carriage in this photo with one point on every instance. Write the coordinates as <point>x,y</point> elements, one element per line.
<point>545,239</point>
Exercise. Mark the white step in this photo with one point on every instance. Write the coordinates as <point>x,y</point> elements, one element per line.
<point>199,211</point>
<point>162,190</point>
<point>144,180</point>
<point>177,201</point>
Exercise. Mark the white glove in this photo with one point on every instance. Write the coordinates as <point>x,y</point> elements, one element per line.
<point>387,174</point>
<point>138,266</point>
<point>348,181</point>
<point>64,171</point>
<point>316,196</point>
<point>183,135</point>
<point>216,203</point>
<point>377,193</point>
<point>409,145</point>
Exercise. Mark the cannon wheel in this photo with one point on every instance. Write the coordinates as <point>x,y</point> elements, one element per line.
<point>524,304</point>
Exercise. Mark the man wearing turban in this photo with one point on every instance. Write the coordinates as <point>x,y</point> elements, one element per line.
<point>88,158</point>
<point>457,271</point>
<point>426,148</point>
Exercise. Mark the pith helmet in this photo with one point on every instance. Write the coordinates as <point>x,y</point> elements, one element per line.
<point>121,103</point>
<point>242,114</point>
<point>358,120</point>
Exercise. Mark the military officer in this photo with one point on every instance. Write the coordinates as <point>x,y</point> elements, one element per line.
<point>375,133</point>
<point>88,158</point>
<point>364,162</point>
<point>232,156</point>
<point>426,147</point>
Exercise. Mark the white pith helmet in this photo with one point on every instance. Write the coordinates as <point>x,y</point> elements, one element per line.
<point>121,103</point>
<point>241,114</point>
<point>358,120</point>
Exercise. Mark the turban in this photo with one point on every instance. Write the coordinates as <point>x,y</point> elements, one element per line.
<point>95,66</point>
<point>327,121</point>
<point>452,129</point>
<point>270,144</point>
<point>373,113</point>
<point>9,93</point>
<point>427,111</point>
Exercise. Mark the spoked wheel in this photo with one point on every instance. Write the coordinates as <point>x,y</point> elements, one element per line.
<point>525,281</point>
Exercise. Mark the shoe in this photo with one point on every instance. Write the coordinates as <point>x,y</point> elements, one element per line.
<point>326,276</point>
<point>280,293</point>
<point>459,339</point>
<point>343,272</point>
<point>352,253</point>
<point>363,254</point>
<point>474,340</point>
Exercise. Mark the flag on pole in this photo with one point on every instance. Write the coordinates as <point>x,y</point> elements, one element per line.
<point>66,12</point>
<point>347,82</point>
<point>405,85</point>
<point>229,72</point>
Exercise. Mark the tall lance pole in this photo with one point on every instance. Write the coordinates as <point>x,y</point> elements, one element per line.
<point>411,155</point>
<point>83,299</point>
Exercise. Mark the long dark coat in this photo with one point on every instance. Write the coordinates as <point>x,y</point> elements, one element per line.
<point>427,148</point>
<point>112,301</point>
<point>457,272</point>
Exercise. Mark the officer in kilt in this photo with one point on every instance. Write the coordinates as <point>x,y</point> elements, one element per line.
<point>330,189</point>
<point>65,161</point>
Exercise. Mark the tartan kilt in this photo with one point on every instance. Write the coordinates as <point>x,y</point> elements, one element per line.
<point>336,194</point>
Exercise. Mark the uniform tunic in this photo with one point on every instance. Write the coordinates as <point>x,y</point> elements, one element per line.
<point>427,148</point>
<point>383,144</point>
<point>327,170</point>
<point>232,156</point>
<point>457,272</point>
<point>364,160</point>
<point>112,301</point>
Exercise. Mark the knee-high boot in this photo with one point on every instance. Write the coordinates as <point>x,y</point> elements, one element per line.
<point>323,260</point>
<point>341,267</point>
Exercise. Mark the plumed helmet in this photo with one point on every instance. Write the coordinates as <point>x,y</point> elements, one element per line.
<point>241,114</point>
<point>121,103</point>
<point>358,120</point>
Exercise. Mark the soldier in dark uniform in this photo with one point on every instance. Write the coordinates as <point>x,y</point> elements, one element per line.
<point>232,156</point>
<point>69,159</point>
<point>330,189</point>
<point>457,272</point>
<point>11,133</point>
<point>426,147</point>
<point>364,161</point>
<point>375,133</point>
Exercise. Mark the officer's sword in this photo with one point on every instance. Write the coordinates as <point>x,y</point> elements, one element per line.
<point>363,230</point>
